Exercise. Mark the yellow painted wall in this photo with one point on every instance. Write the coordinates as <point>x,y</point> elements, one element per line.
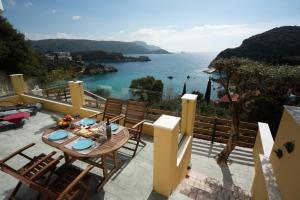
<point>164,160</point>
<point>18,83</point>
<point>258,148</point>
<point>7,101</point>
<point>259,189</point>
<point>287,168</point>
<point>181,168</point>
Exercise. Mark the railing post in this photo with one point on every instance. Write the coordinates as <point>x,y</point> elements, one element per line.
<point>188,113</point>
<point>77,95</point>
<point>65,94</point>
<point>166,130</point>
<point>17,81</point>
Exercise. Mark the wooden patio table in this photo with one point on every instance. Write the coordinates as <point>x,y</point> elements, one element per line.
<point>97,156</point>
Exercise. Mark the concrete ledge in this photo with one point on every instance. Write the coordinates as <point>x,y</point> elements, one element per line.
<point>266,138</point>
<point>183,148</point>
<point>166,122</point>
<point>191,97</point>
<point>270,180</point>
<point>10,98</point>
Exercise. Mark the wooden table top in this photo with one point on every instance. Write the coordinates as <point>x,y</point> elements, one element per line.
<point>114,143</point>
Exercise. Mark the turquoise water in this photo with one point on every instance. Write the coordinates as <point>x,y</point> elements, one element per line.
<point>161,66</point>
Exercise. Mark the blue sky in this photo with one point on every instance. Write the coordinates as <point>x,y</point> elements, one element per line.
<point>190,25</point>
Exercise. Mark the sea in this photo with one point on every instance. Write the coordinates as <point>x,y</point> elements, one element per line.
<point>161,66</point>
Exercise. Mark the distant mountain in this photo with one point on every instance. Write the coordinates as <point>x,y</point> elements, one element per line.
<point>74,45</point>
<point>147,46</point>
<point>276,46</point>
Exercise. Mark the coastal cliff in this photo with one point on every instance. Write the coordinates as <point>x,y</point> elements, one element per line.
<point>276,46</point>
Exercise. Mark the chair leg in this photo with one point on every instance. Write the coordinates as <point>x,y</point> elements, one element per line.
<point>136,146</point>
<point>13,194</point>
<point>46,183</point>
<point>144,143</point>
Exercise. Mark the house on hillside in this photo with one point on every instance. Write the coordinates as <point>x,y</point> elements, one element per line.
<point>60,55</point>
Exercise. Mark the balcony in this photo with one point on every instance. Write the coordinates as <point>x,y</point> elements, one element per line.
<point>134,180</point>
<point>140,177</point>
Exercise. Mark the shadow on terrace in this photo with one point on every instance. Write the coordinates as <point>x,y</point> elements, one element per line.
<point>137,178</point>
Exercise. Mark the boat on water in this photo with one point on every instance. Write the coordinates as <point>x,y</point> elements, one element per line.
<point>209,70</point>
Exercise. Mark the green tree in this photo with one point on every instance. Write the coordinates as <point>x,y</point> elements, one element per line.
<point>208,91</point>
<point>147,89</point>
<point>252,81</point>
<point>16,54</point>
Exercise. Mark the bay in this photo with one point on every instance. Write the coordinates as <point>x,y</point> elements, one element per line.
<point>161,66</point>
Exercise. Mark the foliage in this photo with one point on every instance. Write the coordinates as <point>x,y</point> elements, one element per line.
<point>184,89</point>
<point>107,56</point>
<point>16,54</point>
<point>210,109</point>
<point>253,81</point>
<point>276,46</point>
<point>172,104</point>
<point>200,95</point>
<point>102,92</point>
<point>147,89</point>
<point>221,93</point>
<point>208,91</point>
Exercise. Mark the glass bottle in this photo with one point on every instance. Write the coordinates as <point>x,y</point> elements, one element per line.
<point>108,129</point>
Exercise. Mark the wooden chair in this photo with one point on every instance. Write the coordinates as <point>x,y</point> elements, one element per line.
<point>70,183</point>
<point>36,174</point>
<point>112,110</point>
<point>134,119</point>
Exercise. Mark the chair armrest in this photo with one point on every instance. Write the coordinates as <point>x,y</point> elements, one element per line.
<point>117,118</point>
<point>138,125</point>
<point>95,115</point>
<point>16,153</point>
<point>74,182</point>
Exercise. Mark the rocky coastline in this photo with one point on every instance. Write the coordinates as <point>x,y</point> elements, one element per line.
<point>96,68</point>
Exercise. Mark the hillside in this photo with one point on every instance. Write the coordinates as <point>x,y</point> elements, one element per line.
<point>276,46</point>
<point>103,56</point>
<point>73,45</point>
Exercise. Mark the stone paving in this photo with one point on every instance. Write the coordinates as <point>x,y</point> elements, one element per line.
<point>239,171</point>
<point>134,179</point>
<point>198,186</point>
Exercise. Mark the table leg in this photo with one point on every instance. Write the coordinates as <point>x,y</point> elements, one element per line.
<point>104,166</point>
<point>67,158</point>
<point>106,175</point>
<point>115,160</point>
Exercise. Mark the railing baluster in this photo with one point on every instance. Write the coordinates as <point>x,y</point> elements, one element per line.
<point>214,131</point>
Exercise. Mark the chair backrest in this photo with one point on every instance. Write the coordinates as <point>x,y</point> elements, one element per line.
<point>32,171</point>
<point>135,112</point>
<point>113,108</point>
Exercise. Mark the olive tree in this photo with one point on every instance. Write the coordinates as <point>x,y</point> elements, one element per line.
<point>147,89</point>
<point>251,81</point>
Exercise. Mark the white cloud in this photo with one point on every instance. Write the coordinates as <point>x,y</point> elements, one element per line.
<point>53,11</point>
<point>28,4</point>
<point>12,2</point>
<point>76,17</point>
<point>117,36</point>
<point>197,38</point>
<point>205,38</point>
